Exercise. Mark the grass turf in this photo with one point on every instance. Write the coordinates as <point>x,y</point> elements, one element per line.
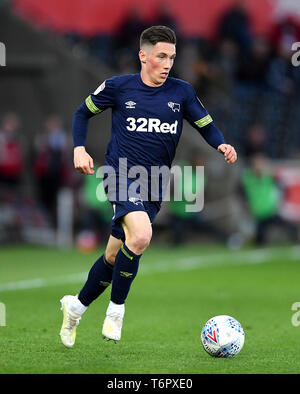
<point>176,291</point>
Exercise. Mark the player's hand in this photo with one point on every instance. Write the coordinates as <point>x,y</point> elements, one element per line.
<point>83,162</point>
<point>228,152</point>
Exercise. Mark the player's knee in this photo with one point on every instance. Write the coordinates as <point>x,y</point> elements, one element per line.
<point>139,242</point>
<point>143,240</point>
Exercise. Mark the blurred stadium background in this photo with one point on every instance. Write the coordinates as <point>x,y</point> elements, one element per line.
<point>236,54</point>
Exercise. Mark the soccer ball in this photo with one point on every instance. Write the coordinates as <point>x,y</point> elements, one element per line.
<point>222,336</point>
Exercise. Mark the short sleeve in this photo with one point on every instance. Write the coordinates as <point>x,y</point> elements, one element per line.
<point>102,98</point>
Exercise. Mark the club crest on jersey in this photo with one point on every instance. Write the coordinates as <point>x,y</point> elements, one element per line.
<point>174,106</point>
<point>130,104</point>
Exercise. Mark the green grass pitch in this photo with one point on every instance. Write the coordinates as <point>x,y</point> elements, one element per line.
<point>176,291</point>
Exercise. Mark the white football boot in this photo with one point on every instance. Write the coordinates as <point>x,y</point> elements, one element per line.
<point>113,322</point>
<point>72,311</point>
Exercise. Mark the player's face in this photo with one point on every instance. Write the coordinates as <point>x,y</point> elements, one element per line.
<point>157,61</point>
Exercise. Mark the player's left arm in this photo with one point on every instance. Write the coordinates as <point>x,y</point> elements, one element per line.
<point>198,117</point>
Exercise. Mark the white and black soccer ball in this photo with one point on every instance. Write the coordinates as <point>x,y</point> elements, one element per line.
<point>222,336</point>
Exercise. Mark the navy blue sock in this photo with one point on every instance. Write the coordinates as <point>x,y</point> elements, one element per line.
<point>125,270</point>
<point>99,278</point>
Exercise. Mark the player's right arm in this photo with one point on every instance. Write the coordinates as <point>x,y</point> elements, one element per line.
<point>97,102</point>
<point>83,162</point>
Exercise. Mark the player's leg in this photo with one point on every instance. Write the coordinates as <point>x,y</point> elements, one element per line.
<point>100,275</point>
<point>112,249</point>
<point>138,233</point>
<point>99,278</point>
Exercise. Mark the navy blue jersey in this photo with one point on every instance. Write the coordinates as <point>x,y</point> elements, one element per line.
<point>146,121</point>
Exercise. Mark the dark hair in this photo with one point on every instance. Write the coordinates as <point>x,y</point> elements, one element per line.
<point>155,34</point>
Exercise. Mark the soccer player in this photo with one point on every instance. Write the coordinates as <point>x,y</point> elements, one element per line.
<point>148,109</point>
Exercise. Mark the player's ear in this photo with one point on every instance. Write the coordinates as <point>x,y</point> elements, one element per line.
<point>142,55</point>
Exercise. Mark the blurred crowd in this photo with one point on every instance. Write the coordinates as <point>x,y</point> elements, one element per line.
<point>43,165</point>
<point>251,88</point>
<point>247,82</point>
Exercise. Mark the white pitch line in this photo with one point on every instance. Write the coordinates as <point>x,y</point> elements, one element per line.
<point>238,258</point>
<point>42,282</point>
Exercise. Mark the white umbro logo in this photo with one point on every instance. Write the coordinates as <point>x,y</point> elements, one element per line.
<point>130,104</point>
